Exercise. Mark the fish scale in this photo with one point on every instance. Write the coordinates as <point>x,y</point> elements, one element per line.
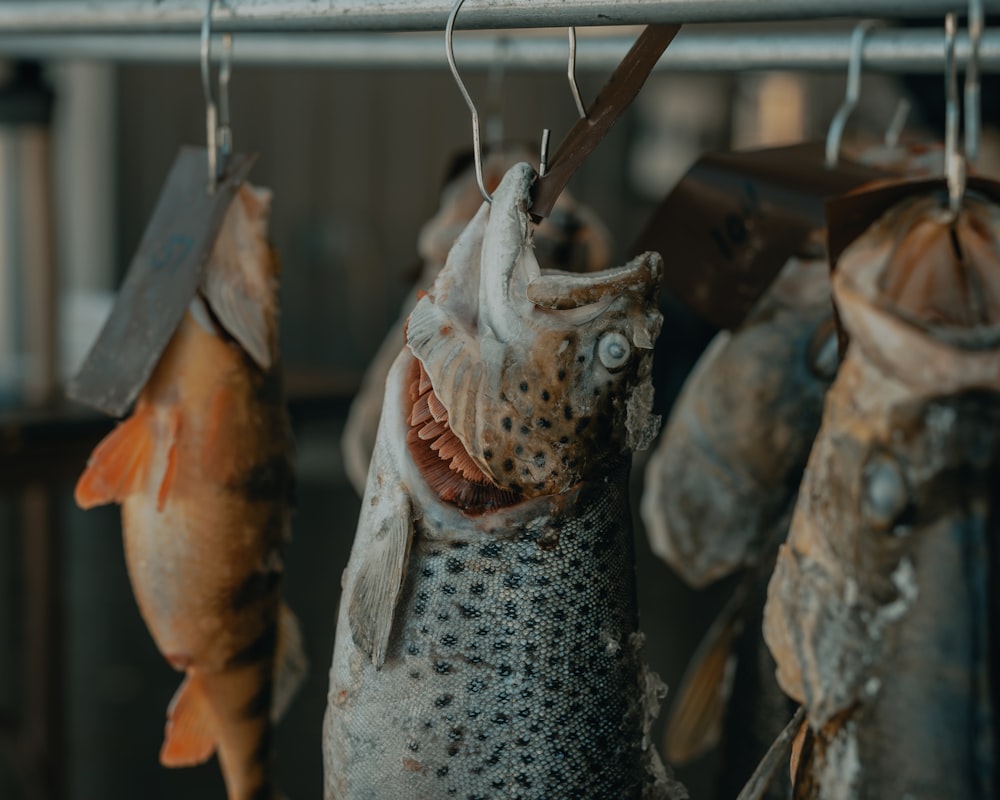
<point>505,669</point>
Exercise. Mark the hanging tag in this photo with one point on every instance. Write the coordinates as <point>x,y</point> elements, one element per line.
<point>850,215</point>
<point>161,281</point>
<point>732,222</point>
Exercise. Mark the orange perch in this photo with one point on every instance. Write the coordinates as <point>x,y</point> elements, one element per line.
<point>202,470</point>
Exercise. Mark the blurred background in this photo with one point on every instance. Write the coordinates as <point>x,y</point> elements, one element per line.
<point>356,159</point>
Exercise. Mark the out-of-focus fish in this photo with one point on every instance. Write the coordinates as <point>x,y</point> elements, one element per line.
<point>882,613</point>
<point>570,238</point>
<point>487,640</point>
<point>202,470</point>
<point>718,497</point>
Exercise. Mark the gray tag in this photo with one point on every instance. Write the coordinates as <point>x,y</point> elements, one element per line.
<point>162,279</point>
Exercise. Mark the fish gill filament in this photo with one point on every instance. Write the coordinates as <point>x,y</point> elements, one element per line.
<point>442,458</point>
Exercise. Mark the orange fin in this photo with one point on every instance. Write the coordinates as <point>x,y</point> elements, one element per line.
<point>188,738</point>
<point>119,464</point>
<point>170,472</point>
<point>697,718</point>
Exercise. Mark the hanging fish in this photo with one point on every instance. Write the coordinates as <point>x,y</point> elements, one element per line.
<point>718,496</point>
<point>882,613</point>
<point>570,238</point>
<point>487,639</point>
<point>202,470</point>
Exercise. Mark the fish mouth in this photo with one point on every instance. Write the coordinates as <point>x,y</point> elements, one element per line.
<point>920,294</point>
<point>497,407</point>
<point>443,461</point>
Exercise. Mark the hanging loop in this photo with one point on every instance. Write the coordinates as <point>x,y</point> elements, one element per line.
<point>449,40</point>
<point>954,163</point>
<point>217,128</point>
<point>477,148</point>
<point>836,131</point>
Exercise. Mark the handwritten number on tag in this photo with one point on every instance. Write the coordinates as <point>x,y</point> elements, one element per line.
<point>172,253</point>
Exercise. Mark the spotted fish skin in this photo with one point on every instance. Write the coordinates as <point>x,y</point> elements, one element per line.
<point>487,644</point>
<point>511,673</point>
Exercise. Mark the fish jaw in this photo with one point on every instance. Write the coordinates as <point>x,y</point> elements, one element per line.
<point>538,395</point>
<point>920,294</point>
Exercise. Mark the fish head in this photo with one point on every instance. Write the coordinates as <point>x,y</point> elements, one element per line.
<point>883,589</point>
<point>544,376</point>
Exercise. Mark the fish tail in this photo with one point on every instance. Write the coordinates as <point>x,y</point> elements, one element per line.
<point>237,704</point>
<point>247,696</point>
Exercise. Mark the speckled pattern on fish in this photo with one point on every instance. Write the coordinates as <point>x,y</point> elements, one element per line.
<point>534,690</point>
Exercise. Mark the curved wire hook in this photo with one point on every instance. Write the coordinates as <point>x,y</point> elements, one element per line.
<point>218,131</point>
<point>477,149</point>
<point>571,74</point>
<point>836,131</point>
<point>954,163</point>
<point>449,33</point>
<point>972,108</point>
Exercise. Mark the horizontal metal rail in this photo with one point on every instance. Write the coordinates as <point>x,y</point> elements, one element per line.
<point>63,16</point>
<point>904,51</point>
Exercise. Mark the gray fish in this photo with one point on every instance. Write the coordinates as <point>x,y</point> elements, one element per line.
<point>718,495</point>
<point>882,610</point>
<point>487,641</point>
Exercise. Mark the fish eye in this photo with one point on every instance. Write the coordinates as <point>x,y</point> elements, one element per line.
<point>884,495</point>
<point>614,350</point>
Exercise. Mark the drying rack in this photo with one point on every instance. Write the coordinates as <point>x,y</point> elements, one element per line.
<point>405,34</point>
<point>285,32</point>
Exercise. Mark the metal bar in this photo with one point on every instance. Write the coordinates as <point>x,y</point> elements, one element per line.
<point>905,51</point>
<point>25,16</point>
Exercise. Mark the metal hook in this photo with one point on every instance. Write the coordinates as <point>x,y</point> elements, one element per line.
<point>477,149</point>
<point>218,131</point>
<point>495,95</point>
<point>954,163</point>
<point>836,131</point>
<point>972,108</point>
<point>897,123</point>
<point>571,74</point>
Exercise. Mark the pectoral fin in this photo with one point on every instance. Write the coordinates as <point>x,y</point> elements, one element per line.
<point>188,737</point>
<point>238,282</point>
<point>375,592</point>
<point>120,464</point>
<point>696,719</point>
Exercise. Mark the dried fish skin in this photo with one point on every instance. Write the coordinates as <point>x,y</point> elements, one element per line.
<point>882,606</point>
<point>728,463</point>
